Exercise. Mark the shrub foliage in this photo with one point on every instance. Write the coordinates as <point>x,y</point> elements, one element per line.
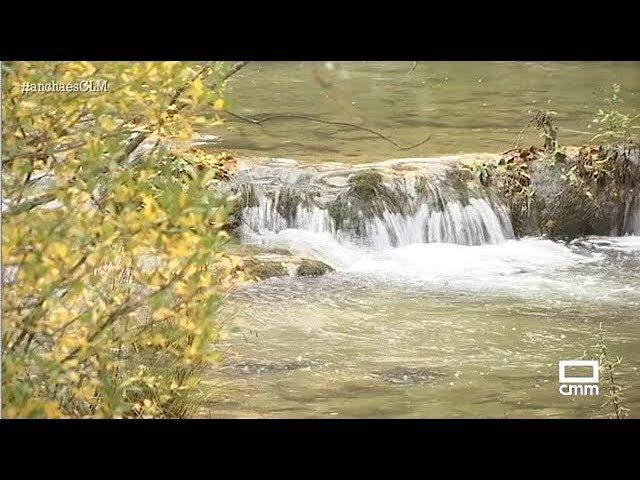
<point>112,262</point>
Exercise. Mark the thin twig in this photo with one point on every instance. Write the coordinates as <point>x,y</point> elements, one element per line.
<point>615,391</point>
<point>235,69</point>
<point>127,308</point>
<point>516,141</point>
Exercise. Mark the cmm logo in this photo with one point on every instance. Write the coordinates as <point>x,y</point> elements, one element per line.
<point>579,385</point>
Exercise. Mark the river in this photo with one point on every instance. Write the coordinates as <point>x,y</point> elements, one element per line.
<point>464,106</point>
<point>439,311</point>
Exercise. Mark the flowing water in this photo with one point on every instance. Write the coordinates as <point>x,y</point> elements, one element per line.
<point>434,309</point>
<point>435,330</point>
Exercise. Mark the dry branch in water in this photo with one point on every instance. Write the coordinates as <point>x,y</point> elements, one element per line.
<point>326,122</point>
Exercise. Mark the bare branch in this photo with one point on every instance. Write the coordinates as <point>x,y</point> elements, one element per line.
<point>30,204</point>
<point>327,122</point>
<point>235,69</point>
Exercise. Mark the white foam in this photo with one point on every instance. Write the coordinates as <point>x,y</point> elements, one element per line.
<point>426,260</point>
<point>627,243</point>
<point>436,260</point>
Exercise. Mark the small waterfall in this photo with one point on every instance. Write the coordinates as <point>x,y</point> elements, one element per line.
<point>373,207</point>
<point>633,218</point>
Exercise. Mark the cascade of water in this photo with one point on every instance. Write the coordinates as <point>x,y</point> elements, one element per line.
<point>633,221</point>
<point>391,213</point>
<point>266,216</point>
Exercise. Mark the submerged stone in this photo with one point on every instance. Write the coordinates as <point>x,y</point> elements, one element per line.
<point>265,269</point>
<point>313,268</point>
<point>261,263</point>
<point>256,368</point>
<point>410,375</point>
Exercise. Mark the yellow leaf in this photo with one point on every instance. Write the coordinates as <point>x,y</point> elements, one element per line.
<point>108,123</point>
<point>51,410</point>
<point>197,89</point>
<point>218,104</point>
<point>59,249</point>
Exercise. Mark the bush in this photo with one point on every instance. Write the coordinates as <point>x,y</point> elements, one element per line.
<point>615,126</point>
<point>112,267</point>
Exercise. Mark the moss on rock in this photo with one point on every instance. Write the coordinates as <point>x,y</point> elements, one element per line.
<point>265,269</point>
<point>312,268</point>
<point>365,185</point>
<point>368,195</point>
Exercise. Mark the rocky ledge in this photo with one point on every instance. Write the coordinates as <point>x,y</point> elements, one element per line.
<point>260,263</point>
